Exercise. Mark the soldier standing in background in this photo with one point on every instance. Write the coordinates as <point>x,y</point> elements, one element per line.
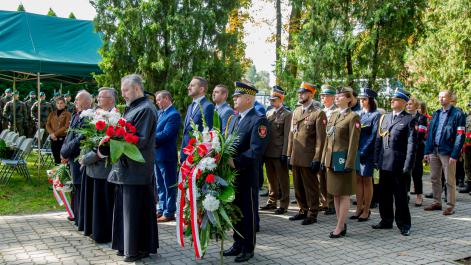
<point>15,113</point>
<point>3,102</point>
<point>69,105</point>
<point>29,120</point>
<point>45,110</point>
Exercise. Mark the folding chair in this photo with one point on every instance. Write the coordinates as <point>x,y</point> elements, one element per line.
<point>39,134</point>
<point>12,139</point>
<point>18,141</point>
<point>4,133</point>
<point>18,163</point>
<point>45,154</point>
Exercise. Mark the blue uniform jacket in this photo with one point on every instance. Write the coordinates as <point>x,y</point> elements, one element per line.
<point>453,133</point>
<point>197,117</point>
<point>369,130</point>
<point>166,135</point>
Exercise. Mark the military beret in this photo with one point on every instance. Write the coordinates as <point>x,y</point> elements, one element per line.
<point>327,90</point>
<point>367,93</point>
<point>32,93</point>
<point>346,89</point>
<point>244,87</point>
<point>307,87</point>
<point>401,94</point>
<point>57,94</point>
<point>277,92</point>
<point>42,94</point>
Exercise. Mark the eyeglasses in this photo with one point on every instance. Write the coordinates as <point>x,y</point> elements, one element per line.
<point>103,97</point>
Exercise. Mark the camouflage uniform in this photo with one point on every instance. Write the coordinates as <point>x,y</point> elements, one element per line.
<point>3,102</point>
<point>15,111</point>
<point>29,120</point>
<point>46,108</point>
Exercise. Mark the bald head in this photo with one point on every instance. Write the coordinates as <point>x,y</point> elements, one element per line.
<point>83,100</point>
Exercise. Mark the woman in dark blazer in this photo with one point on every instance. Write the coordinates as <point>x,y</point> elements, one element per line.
<point>369,118</point>
<point>339,156</point>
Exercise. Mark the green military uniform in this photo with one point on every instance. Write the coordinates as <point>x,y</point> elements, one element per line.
<point>467,154</point>
<point>275,155</point>
<point>29,120</point>
<point>305,145</point>
<point>45,110</point>
<point>15,112</point>
<point>3,102</point>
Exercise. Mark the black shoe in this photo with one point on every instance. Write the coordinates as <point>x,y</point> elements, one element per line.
<point>354,217</point>
<point>382,225</point>
<point>309,221</point>
<point>243,257</point>
<point>339,235</point>
<point>344,231</point>
<point>268,207</point>
<point>429,195</point>
<point>466,188</point>
<point>354,202</point>
<point>364,219</point>
<point>281,211</point>
<point>405,231</point>
<point>298,216</point>
<point>70,218</point>
<point>329,211</point>
<point>119,253</point>
<point>232,251</point>
<point>136,258</point>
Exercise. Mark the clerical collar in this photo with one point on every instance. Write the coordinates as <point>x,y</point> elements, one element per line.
<point>137,101</point>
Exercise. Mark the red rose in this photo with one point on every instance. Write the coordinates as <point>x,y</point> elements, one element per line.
<point>110,131</point>
<point>185,169</point>
<point>130,128</point>
<point>188,150</point>
<point>128,138</point>
<point>122,122</point>
<point>202,150</point>
<point>120,132</point>
<point>100,125</point>
<point>210,178</point>
<point>192,141</point>
<point>190,159</point>
<point>135,139</point>
<point>50,181</point>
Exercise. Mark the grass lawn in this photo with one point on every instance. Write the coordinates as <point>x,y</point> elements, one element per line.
<point>21,197</point>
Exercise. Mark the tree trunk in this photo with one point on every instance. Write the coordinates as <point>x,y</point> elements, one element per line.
<point>278,40</point>
<point>374,62</point>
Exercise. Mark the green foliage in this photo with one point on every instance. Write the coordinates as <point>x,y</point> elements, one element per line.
<point>20,8</point>
<point>51,13</point>
<point>442,58</point>
<point>72,15</point>
<point>168,42</point>
<point>260,79</point>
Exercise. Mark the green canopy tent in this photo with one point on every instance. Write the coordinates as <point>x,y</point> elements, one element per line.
<point>44,47</point>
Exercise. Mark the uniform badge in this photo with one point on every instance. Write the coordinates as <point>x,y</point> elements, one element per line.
<point>262,131</point>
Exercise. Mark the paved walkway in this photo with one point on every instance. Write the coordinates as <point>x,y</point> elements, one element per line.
<point>50,239</point>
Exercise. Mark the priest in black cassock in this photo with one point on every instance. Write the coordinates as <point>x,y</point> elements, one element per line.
<point>134,233</point>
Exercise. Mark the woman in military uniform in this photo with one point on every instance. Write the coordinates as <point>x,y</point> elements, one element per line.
<point>339,156</point>
<point>369,118</point>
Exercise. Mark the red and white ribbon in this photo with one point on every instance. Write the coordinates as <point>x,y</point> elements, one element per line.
<point>460,130</point>
<point>422,128</point>
<point>67,204</point>
<point>56,196</point>
<point>180,207</point>
<point>194,214</point>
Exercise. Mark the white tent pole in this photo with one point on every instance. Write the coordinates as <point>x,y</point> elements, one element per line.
<point>38,84</point>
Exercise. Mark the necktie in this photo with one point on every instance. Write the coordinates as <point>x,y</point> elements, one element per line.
<point>192,107</point>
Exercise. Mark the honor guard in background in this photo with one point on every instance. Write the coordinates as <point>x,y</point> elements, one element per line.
<point>276,161</point>
<point>252,130</point>
<point>29,120</point>
<point>15,112</point>
<point>394,157</point>
<point>467,154</point>
<point>326,200</point>
<point>3,102</point>
<point>45,110</point>
<point>305,145</point>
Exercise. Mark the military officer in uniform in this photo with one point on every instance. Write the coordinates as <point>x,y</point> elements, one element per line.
<point>252,129</point>
<point>15,112</point>
<point>276,161</point>
<point>68,102</point>
<point>45,110</point>
<point>29,120</point>
<point>3,102</point>
<point>467,154</point>
<point>52,102</point>
<point>394,157</point>
<point>305,145</point>
<point>326,200</point>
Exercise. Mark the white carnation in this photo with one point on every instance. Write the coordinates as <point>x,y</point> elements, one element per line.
<point>207,163</point>
<point>206,136</point>
<point>216,146</point>
<point>89,113</point>
<point>210,203</point>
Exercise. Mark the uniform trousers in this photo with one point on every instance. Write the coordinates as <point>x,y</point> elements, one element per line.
<point>306,190</point>
<point>392,187</point>
<point>278,179</point>
<point>245,198</point>
<point>417,171</point>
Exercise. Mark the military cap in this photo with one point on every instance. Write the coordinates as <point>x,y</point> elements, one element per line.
<point>42,94</point>
<point>15,92</point>
<point>32,93</point>
<point>327,90</point>
<point>8,90</point>
<point>57,94</point>
<point>367,93</point>
<point>307,87</point>
<point>346,89</point>
<point>67,94</point>
<point>244,87</point>
<point>401,94</point>
<point>277,92</point>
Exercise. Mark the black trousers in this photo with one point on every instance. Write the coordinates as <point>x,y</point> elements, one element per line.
<point>75,202</point>
<point>102,213</point>
<point>56,150</point>
<point>392,186</point>
<point>245,199</point>
<point>417,171</point>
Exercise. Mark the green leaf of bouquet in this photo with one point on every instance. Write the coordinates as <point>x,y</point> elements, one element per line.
<point>228,195</point>
<point>216,121</point>
<point>218,222</point>
<point>116,150</point>
<point>224,216</point>
<point>133,152</point>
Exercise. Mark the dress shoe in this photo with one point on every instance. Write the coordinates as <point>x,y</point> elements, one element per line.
<point>429,195</point>
<point>281,211</point>
<point>70,218</point>
<point>298,216</point>
<point>354,217</point>
<point>433,207</point>
<point>309,221</point>
<point>164,219</point>
<point>136,258</point>
<point>329,211</point>
<point>268,207</point>
<point>361,219</point>
<point>120,253</point>
<point>449,211</point>
<point>382,225</point>
<point>405,231</point>
<point>339,235</point>
<point>466,188</point>
<point>243,257</point>
<point>232,251</point>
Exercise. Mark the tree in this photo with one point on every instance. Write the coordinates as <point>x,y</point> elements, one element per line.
<point>51,13</point>
<point>72,15</point>
<point>20,8</point>
<point>168,42</point>
<point>442,57</point>
<point>260,79</point>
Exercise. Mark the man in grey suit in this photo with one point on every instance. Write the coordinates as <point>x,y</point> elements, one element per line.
<point>224,110</point>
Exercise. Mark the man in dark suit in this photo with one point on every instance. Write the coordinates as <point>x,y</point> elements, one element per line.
<point>251,128</point>
<point>394,156</point>
<point>196,90</point>
<point>166,155</point>
<point>224,110</point>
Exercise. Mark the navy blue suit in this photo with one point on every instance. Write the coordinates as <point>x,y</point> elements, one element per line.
<point>166,159</point>
<point>197,117</point>
<point>366,147</point>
